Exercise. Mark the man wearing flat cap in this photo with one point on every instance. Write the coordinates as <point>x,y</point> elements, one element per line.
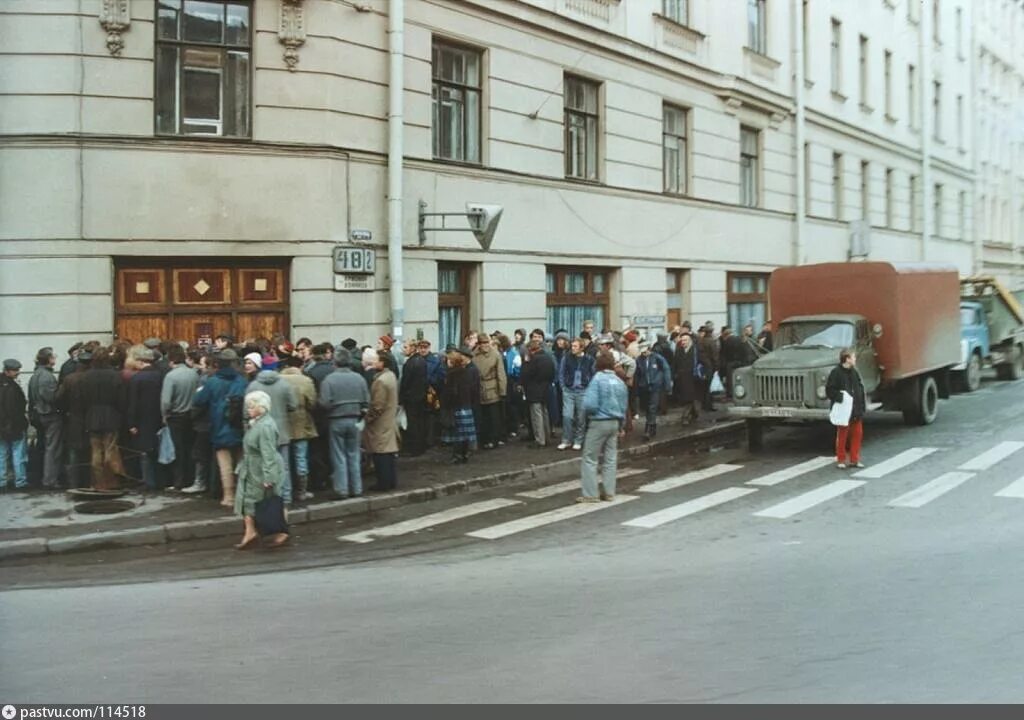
<point>13,424</point>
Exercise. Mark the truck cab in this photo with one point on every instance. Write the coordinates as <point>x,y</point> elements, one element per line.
<point>974,345</point>
<point>790,382</point>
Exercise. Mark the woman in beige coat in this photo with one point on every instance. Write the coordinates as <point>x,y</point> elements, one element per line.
<point>493,388</point>
<point>302,424</point>
<point>381,434</point>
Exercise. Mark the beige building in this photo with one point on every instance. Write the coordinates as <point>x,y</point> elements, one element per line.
<point>184,168</point>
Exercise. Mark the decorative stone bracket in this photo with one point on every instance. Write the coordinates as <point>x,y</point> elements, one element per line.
<point>116,18</point>
<point>293,31</point>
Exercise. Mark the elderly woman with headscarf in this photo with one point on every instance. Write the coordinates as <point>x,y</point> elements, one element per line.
<point>261,470</point>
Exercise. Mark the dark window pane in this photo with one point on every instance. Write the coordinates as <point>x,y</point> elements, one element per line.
<point>236,95</point>
<point>575,283</point>
<point>167,89</point>
<point>204,21</point>
<point>236,32</point>
<point>448,281</point>
<point>201,100</point>
<point>168,14</point>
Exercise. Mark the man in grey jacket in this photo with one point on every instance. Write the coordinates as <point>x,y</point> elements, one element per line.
<point>345,398</point>
<point>282,402</point>
<point>45,417</point>
<point>176,393</point>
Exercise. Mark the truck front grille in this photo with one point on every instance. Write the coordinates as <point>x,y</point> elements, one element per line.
<point>787,389</point>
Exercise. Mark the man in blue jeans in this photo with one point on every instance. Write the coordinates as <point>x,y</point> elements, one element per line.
<point>605,402</point>
<point>574,374</point>
<point>13,424</point>
<point>345,398</point>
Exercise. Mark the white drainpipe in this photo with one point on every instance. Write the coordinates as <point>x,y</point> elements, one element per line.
<point>927,205</point>
<point>801,161</point>
<point>396,47</point>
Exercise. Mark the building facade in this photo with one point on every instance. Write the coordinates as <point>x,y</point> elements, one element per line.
<point>181,168</point>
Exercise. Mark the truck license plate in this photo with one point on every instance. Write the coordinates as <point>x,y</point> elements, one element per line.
<point>778,412</point>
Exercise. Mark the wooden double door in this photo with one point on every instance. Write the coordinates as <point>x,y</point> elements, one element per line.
<point>196,300</point>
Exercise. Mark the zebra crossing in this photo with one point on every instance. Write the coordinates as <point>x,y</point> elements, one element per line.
<point>752,489</point>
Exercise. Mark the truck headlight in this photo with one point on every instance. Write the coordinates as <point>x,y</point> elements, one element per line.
<point>739,391</point>
<point>821,392</point>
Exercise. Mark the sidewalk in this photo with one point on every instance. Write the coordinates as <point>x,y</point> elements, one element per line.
<point>41,523</point>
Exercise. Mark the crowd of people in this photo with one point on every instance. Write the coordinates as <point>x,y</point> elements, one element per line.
<point>162,416</point>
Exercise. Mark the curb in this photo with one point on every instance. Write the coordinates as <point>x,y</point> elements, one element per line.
<point>541,475</point>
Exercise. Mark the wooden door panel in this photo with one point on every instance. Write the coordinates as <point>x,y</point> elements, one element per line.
<point>200,329</point>
<point>137,328</point>
<point>260,325</point>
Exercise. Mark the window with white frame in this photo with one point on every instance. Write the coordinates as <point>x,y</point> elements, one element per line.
<point>937,110</point>
<point>888,198</point>
<point>203,56</point>
<point>915,194</point>
<point>581,128</point>
<point>837,185</point>
<point>749,166</point>
<point>836,57</point>
<point>888,83</point>
<point>937,218</point>
<point>960,122</point>
<point>677,11</point>
<point>962,216</point>
<point>757,26</point>
<point>456,102</point>
<point>865,190</point>
<point>864,70</point>
<point>912,96</point>
<point>673,144</point>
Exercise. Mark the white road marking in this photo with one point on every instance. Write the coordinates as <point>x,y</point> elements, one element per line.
<point>791,472</point>
<point>568,485</point>
<point>546,518</point>
<point>677,481</point>
<point>1014,489</point>
<point>896,462</point>
<point>791,507</point>
<point>689,508</point>
<point>990,457</point>
<point>931,490</point>
<point>427,521</point>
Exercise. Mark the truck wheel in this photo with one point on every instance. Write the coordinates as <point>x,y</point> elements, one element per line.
<point>920,401</point>
<point>970,379</point>
<point>755,435</point>
<point>1013,369</point>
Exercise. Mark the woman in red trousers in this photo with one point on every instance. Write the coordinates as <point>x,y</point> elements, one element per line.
<point>845,378</point>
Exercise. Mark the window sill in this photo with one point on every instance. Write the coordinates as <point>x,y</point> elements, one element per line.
<point>678,35</point>
<point>891,119</point>
<point>203,138</point>
<point>458,163</point>
<point>866,109</point>
<point>680,26</point>
<point>583,181</point>
<point>838,96</point>
<point>808,84</point>
<point>671,194</point>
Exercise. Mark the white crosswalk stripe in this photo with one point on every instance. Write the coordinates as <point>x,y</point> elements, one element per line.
<point>896,462</point>
<point>791,472</point>
<point>427,521</point>
<point>690,507</point>
<point>546,518</point>
<point>990,457</point>
<point>1013,490</point>
<point>568,485</point>
<point>798,504</point>
<point>677,481</point>
<point>938,487</point>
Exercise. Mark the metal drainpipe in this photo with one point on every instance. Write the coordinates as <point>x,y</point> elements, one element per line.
<point>975,113</point>
<point>801,161</point>
<point>396,46</point>
<point>927,208</point>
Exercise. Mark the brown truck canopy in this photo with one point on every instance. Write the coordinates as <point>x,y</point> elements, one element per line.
<point>917,305</point>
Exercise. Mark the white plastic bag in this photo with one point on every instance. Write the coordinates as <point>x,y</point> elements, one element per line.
<point>401,419</point>
<point>841,411</point>
<point>716,387</point>
<point>165,445</point>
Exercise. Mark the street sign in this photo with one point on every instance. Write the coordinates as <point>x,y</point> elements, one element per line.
<point>648,321</point>
<point>360,236</point>
<point>355,260</point>
<point>354,282</point>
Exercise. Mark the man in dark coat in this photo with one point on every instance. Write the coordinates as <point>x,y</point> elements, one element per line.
<point>685,383</point>
<point>707,352</point>
<point>412,396</point>
<point>537,375</point>
<point>13,424</point>
<point>71,364</point>
<point>844,378</point>
<point>731,356</point>
<point>103,398</point>
<point>76,438</point>
<point>320,366</point>
<point>144,417</point>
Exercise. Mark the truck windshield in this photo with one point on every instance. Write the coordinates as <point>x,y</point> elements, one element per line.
<point>821,334</point>
<point>967,316</point>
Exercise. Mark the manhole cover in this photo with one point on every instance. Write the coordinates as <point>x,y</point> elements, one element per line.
<point>90,494</point>
<point>103,507</point>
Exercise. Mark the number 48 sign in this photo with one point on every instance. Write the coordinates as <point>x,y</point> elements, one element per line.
<point>354,261</point>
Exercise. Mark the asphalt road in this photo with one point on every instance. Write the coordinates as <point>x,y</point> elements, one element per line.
<point>904,586</point>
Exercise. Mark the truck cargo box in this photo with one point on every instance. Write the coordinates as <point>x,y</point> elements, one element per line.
<point>917,306</point>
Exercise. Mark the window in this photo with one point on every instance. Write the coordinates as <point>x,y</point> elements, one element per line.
<point>576,294</point>
<point>808,180</point>
<point>888,197</point>
<point>677,11</point>
<point>747,300</point>
<point>673,137</point>
<point>757,30</point>
<point>677,283</point>
<point>203,53</point>
<point>937,110</point>
<point>912,95</point>
<point>937,211</point>
<point>960,122</point>
<point>888,83</point>
<point>456,103</point>
<point>581,126</point>
<point>960,33</point>
<point>962,216</point>
<point>453,304</point>
<point>837,185</point>
<point>837,56</point>
<point>864,69</point>
<point>913,10</point>
<point>749,170</point>
<point>865,190</point>
<point>914,193</point>
<point>936,23</point>
<point>807,38</point>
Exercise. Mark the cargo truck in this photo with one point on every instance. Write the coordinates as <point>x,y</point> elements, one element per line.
<point>902,320</point>
<point>991,333</point>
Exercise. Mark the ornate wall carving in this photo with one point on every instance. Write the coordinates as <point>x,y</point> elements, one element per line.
<point>293,31</point>
<point>116,18</point>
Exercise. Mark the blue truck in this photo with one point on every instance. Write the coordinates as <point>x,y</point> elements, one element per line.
<point>991,333</point>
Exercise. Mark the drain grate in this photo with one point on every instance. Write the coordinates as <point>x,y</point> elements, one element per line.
<point>104,507</point>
